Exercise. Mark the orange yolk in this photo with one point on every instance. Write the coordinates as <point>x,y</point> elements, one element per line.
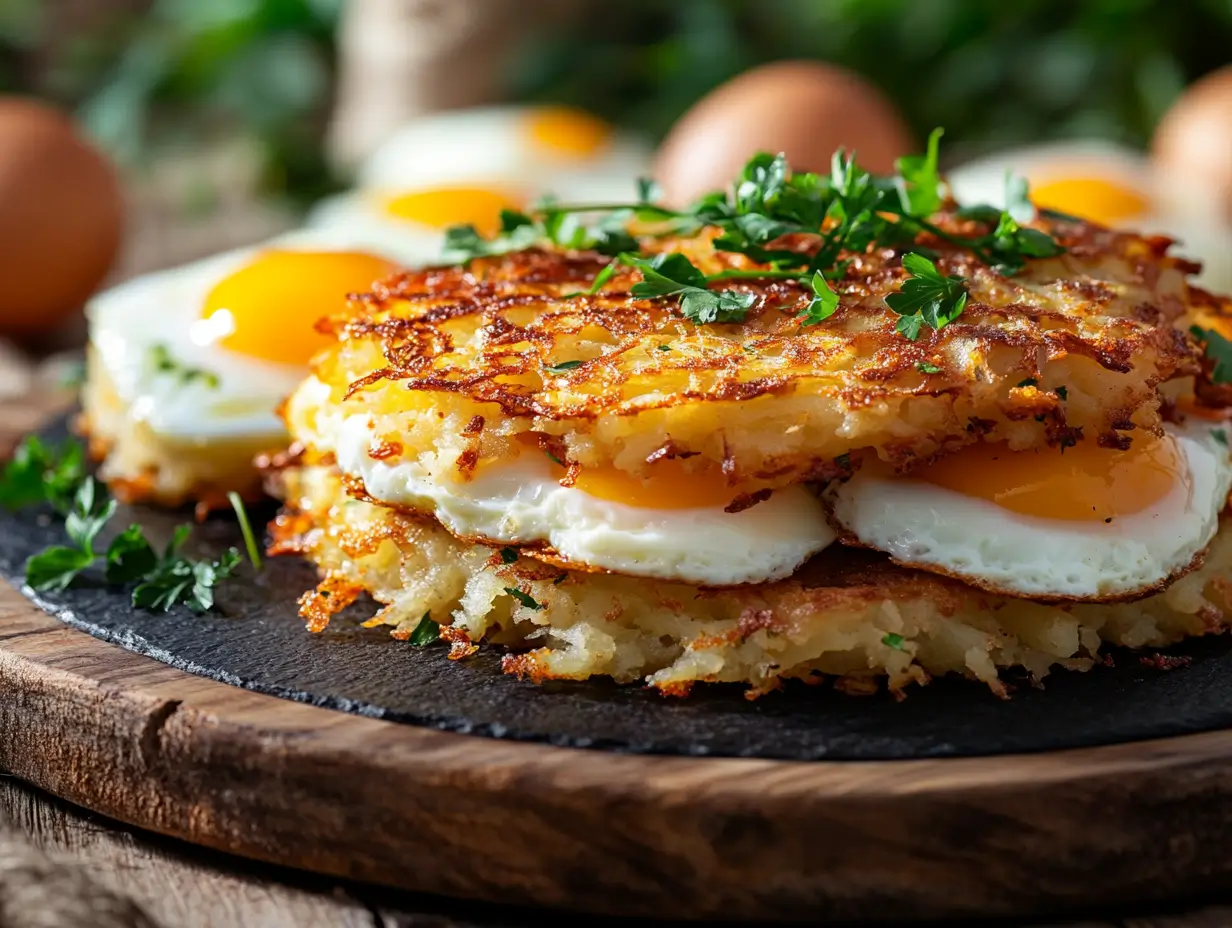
<point>1086,483</point>
<point>669,486</point>
<point>442,207</point>
<point>568,132</point>
<point>1090,198</point>
<point>271,304</point>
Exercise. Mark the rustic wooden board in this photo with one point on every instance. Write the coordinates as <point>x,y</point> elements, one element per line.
<point>636,835</point>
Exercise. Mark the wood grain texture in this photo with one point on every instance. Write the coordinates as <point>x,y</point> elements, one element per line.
<point>469,817</point>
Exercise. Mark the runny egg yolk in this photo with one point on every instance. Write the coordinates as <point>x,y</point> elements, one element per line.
<point>267,308</point>
<point>1092,198</point>
<point>442,207</point>
<point>568,132</point>
<point>669,486</point>
<point>1085,483</point>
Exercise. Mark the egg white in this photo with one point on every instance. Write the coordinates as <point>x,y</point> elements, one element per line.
<point>923,525</point>
<point>164,309</point>
<point>1171,210</point>
<point>521,503</point>
<point>492,146</point>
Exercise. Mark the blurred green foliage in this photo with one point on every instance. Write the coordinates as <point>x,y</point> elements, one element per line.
<point>147,74</point>
<point>989,72</point>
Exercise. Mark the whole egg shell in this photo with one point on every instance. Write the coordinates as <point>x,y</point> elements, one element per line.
<point>61,215</point>
<point>804,109</point>
<point>1193,145</point>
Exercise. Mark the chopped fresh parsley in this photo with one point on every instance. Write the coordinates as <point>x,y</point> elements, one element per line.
<point>162,361</point>
<point>926,297</point>
<point>425,632</point>
<point>56,567</point>
<point>672,274</point>
<point>665,347</point>
<point>554,459</point>
<point>250,540</point>
<point>1221,436</point>
<point>39,474</point>
<point>927,367</point>
<point>845,211</point>
<point>561,367</point>
<point>894,640</point>
<point>508,555</point>
<point>823,304</point>
<point>1218,350</point>
<point>524,598</point>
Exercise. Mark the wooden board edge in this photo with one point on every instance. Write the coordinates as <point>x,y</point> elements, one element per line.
<point>478,818</point>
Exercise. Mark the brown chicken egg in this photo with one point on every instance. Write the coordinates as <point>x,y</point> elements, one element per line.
<point>806,109</point>
<point>60,217</point>
<point>1193,142</point>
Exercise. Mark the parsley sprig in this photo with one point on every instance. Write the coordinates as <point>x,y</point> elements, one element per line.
<point>1218,350</point>
<point>833,216</point>
<point>56,476</point>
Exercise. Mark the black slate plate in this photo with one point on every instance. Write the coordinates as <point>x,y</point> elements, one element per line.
<point>257,641</point>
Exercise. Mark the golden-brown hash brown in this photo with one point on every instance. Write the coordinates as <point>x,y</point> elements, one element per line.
<point>848,614</point>
<point>1108,321</point>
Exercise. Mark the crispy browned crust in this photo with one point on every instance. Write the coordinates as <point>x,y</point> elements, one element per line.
<point>518,302</point>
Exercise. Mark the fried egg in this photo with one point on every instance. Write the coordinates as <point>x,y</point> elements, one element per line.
<point>1110,185</point>
<point>206,351</point>
<point>465,166</point>
<point>674,525</point>
<point>1083,523</point>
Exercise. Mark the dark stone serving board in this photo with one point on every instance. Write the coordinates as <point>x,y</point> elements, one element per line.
<point>256,640</point>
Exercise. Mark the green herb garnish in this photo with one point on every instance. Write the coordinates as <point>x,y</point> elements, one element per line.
<point>38,474</point>
<point>1221,436</point>
<point>926,297</point>
<point>508,555</point>
<point>250,540</point>
<point>162,361</point>
<point>1062,392</point>
<point>426,632</point>
<point>823,304</point>
<point>894,640</point>
<point>524,598</point>
<point>562,367</point>
<point>1219,350</point>
<point>841,213</point>
<point>927,367</point>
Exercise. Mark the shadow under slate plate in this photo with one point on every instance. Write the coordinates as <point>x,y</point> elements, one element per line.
<point>256,640</point>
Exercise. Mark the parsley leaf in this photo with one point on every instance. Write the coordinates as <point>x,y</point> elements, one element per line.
<point>672,274</point>
<point>894,640</point>
<point>927,367</point>
<point>1011,245</point>
<point>562,367</point>
<point>524,598</point>
<point>161,360</point>
<point>597,284</point>
<point>1017,200</point>
<point>130,556</point>
<point>1219,350</point>
<point>425,632</point>
<point>918,180</point>
<point>177,580</point>
<point>927,296</point>
<point>55,568</point>
<point>823,304</point>
<point>38,473</point>
<point>508,555</point>
<point>250,540</point>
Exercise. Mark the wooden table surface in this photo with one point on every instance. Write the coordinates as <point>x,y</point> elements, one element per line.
<point>181,886</point>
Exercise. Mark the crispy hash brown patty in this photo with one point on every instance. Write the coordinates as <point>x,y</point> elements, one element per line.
<point>847,613</point>
<point>465,358</point>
